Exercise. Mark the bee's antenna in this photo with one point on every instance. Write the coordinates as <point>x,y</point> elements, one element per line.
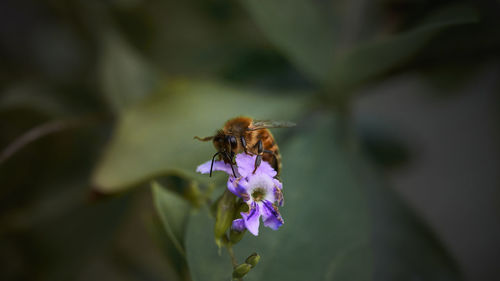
<point>203,139</point>
<point>212,165</point>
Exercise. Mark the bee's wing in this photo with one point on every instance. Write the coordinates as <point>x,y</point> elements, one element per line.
<point>264,124</point>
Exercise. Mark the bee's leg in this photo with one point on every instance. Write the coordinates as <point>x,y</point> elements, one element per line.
<point>268,151</point>
<point>258,159</point>
<point>260,151</point>
<point>229,157</point>
<point>232,168</point>
<point>244,144</point>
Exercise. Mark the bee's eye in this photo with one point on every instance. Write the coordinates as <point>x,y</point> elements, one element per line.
<point>233,142</point>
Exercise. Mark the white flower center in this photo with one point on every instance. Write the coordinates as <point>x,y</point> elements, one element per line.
<point>261,187</point>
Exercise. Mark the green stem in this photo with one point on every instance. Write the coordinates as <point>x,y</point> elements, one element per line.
<point>233,259</point>
<point>231,254</point>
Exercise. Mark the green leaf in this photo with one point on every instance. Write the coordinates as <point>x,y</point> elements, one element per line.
<point>369,60</point>
<point>341,223</point>
<point>28,95</point>
<point>326,41</point>
<point>173,212</point>
<point>301,29</point>
<point>404,248</point>
<point>205,263</point>
<point>126,78</point>
<point>70,240</point>
<point>155,136</point>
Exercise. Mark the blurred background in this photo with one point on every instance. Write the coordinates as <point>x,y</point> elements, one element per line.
<point>97,98</point>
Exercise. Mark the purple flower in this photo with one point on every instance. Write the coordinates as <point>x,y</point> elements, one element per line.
<point>260,191</point>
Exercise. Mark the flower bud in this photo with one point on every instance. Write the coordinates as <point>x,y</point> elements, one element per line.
<point>236,236</point>
<point>241,270</point>
<point>214,205</point>
<point>253,260</point>
<point>193,194</point>
<point>225,212</point>
<point>221,241</point>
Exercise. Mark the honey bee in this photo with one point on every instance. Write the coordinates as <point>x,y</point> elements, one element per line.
<point>243,134</point>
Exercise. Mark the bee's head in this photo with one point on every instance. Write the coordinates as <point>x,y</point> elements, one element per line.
<point>220,142</point>
<point>226,146</point>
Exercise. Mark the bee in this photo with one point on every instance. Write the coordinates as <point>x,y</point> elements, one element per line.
<point>243,134</point>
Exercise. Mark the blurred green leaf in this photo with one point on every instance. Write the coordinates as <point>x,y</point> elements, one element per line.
<point>404,248</point>
<point>68,242</point>
<point>316,36</point>
<point>32,96</point>
<point>205,263</point>
<point>340,223</point>
<point>369,60</point>
<point>382,145</point>
<point>125,77</point>
<point>301,29</point>
<point>156,136</point>
<point>173,212</point>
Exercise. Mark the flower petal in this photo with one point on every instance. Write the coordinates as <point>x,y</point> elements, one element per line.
<point>218,166</point>
<point>252,219</point>
<point>246,165</point>
<point>271,216</point>
<point>236,186</point>
<point>238,225</point>
<point>242,191</point>
<point>278,184</point>
<point>278,195</point>
<point>232,186</point>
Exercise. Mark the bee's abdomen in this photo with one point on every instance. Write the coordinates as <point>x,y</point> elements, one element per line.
<point>269,144</point>
<point>273,159</point>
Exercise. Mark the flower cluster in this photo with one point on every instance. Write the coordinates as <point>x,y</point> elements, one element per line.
<point>261,191</point>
